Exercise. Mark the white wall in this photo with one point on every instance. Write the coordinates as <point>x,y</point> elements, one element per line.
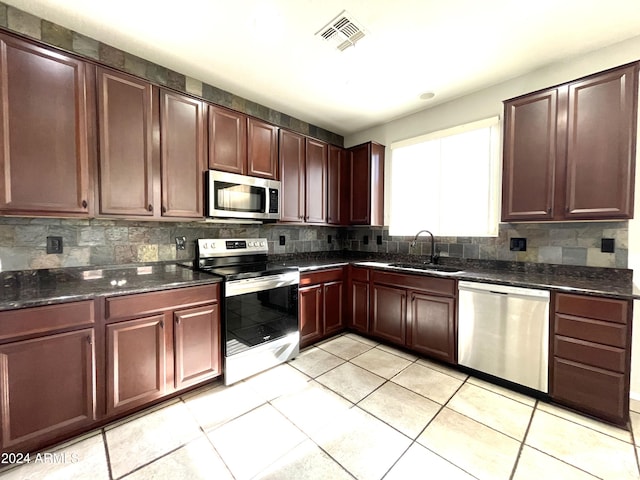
<point>488,102</point>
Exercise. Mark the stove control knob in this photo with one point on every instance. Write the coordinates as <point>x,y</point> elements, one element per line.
<point>249,244</point>
<point>205,245</point>
<point>262,244</point>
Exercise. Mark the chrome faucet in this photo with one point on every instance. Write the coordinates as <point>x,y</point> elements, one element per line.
<point>434,258</point>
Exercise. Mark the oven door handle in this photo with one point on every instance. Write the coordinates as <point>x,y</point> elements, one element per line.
<point>250,285</point>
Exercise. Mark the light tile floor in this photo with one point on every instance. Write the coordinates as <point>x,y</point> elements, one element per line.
<point>350,408</point>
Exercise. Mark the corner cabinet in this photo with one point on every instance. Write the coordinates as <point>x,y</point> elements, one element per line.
<point>366,178</point>
<point>569,151</point>
<point>45,112</point>
<point>591,355</point>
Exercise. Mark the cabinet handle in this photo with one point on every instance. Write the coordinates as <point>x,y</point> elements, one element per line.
<point>161,323</point>
<point>150,208</point>
<point>84,204</point>
<point>89,339</point>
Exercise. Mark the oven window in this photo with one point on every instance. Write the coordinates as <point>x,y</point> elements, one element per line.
<point>259,317</point>
<point>239,198</point>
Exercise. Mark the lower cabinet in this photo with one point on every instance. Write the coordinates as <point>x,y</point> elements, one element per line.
<point>415,311</point>
<point>358,298</point>
<point>590,352</point>
<point>321,304</point>
<point>47,376</point>
<point>158,343</point>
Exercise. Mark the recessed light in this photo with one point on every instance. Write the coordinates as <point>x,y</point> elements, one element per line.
<point>427,96</point>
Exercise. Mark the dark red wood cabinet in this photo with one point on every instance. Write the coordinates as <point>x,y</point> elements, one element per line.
<point>337,186</point>
<point>321,304</point>
<point>358,295</point>
<point>47,374</point>
<point>45,111</point>
<point>591,355</point>
<point>262,149</point>
<point>569,151</point>
<point>414,311</point>
<point>158,343</point>
<point>366,177</point>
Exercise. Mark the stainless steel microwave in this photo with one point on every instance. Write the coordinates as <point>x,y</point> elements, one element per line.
<point>239,196</point>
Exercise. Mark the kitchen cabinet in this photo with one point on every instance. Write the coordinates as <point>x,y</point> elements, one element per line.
<point>182,155</point>
<point>415,311</point>
<point>569,151</point>
<point>366,178</point>
<point>303,175</point>
<point>47,374</point>
<point>241,144</point>
<point>358,291</point>
<point>591,354</point>
<point>158,343</point>
<point>321,305</point>
<point>45,112</point>
<point>337,186</point>
<point>126,163</point>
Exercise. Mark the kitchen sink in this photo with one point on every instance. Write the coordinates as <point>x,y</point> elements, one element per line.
<point>426,266</point>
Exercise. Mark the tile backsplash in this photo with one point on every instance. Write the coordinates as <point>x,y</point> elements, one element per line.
<point>571,243</point>
<point>113,242</point>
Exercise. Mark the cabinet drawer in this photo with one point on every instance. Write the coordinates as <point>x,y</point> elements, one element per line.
<point>603,356</point>
<point>323,276</point>
<point>593,307</point>
<point>443,286</point>
<point>29,321</point>
<point>597,331</point>
<point>127,306</point>
<point>590,389</point>
<point>359,274</point>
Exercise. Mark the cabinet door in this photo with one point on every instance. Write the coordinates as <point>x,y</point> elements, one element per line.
<point>197,345</point>
<point>136,363</point>
<point>333,307</point>
<point>432,326</point>
<point>316,181</point>
<point>530,148</point>
<point>360,188</point>
<point>262,149</point>
<point>44,156</point>
<point>389,313</point>
<point>227,140</point>
<point>601,145</point>
<point>360,306</point>
<point>125,123</point>
<point>292,174</point>
<point>47,388</point>
<point>181,155</point>
<point>310,305</point>
<point>337,186</point>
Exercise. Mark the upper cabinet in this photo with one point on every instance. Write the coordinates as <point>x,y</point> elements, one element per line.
<point>45,107</point>
<point>337,186</point>
<point>569,151</point>
<point>366,184</point>
<point>316,181</point>
<point>125,124</point>
<point>241,144</point>
<point>182,155</point>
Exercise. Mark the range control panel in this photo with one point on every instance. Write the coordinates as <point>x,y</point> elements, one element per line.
<point>219,247</point>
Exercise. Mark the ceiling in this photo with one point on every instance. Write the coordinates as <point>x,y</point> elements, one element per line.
<point>267,50</point>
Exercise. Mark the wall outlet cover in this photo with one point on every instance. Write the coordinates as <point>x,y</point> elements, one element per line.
<point>365,240</point>
<point>518,244</point>
<point>54,245</point>
<point>329,239</point>
<point>608,245</point>
<point>181,243</point>
<point>379,239</point>
<point>282,240</point>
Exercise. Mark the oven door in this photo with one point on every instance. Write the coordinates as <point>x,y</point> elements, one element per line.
<point>260,310</point>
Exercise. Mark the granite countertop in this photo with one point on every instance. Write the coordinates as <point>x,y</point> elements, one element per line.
<point>29,288</point>
<point>607,282</point>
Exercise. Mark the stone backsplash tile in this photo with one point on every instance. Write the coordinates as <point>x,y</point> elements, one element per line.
<point>24,23</point>
<point>57,35</point>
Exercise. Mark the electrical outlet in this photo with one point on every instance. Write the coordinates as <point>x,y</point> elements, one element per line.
<point>181,243</point>
<point>518,244</point>
<point>608,245</point>
<point>329,239</point>
<point>282,240</point>
<point>54,245</point>
<point>379,239</point>
<point>365,240</point>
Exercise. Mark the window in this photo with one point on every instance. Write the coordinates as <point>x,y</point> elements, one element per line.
<point>447,182</point>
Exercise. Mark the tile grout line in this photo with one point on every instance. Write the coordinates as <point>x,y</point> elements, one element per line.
<point>103,434</point>
<point>522,442</point>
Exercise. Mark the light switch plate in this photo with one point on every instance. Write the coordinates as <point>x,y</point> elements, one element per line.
<point>608,245</point>
<point>54,245</point>
<point>518,244</point>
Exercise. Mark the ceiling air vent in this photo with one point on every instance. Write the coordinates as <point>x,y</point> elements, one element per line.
<point>344,31</point>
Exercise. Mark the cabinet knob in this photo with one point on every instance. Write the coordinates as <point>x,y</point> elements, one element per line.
<point>178,321</point>
<point>89,339</point>
<point>549,210</point>
<point>164,209</point>
<point>84,204</point>
<point>161,323</point>
<point>150,208</point>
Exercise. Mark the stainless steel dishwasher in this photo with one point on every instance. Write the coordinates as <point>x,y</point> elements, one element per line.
<point>504,331</point>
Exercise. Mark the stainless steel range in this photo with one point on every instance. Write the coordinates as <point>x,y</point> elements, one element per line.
<point>260,305</point>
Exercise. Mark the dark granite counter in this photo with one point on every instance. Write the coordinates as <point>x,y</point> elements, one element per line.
<point>607,282</point>
<point>29,288</point>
